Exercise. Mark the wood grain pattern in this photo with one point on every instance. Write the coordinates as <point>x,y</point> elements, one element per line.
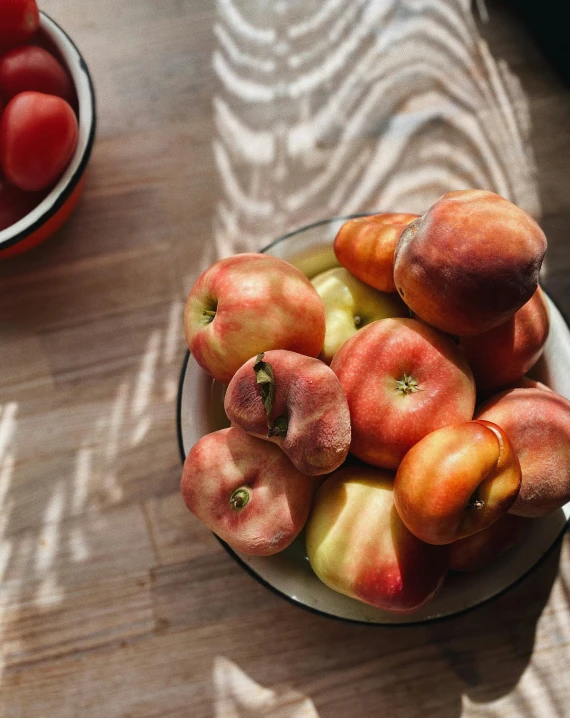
<point>114,600</point>
<point>409,103</point>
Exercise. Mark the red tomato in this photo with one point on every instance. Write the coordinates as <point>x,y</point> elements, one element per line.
<point>33,68</point>
<point>15,204</point>
<point>19,20</point>
<point>38,136</point>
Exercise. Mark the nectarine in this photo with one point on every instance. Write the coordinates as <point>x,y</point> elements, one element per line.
<point>456,481</point>
<point>365,246</point>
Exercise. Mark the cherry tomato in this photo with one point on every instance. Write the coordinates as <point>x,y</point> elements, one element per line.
<point>38,136</point>
<point>15,204</point>
<point>19,20</point>
<point>33,68</point>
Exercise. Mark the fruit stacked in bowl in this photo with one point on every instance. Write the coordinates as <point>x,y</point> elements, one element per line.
<point>47,126</point>
<point>383,406</point>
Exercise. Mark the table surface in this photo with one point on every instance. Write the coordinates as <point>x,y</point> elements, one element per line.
<point>221,126</point>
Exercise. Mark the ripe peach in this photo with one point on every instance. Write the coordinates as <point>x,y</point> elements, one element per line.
<point>246,491</point>
<point>247,304</point>
<point>525,382</point>
<point>537,423</point>
<point>365,246</point>
<point>469,262</point>
<point>358,546</point>
<point>456,481</point>
<point>484,547</point>
<point>504,353</point>
<point>403,379</point>
<point>296,402</point>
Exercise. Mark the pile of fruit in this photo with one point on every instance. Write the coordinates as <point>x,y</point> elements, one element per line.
<point>383,406</point>
<point>38,123</point>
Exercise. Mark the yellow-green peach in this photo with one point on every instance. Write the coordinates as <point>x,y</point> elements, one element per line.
<point>351,305</point>
<point>358,546</point>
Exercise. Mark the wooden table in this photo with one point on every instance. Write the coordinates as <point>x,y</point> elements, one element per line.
<point>220,126</point>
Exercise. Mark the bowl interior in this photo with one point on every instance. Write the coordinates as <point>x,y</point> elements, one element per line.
<point>200,411</point>
<point>86,115</point>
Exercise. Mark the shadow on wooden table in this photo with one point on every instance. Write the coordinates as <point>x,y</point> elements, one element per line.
<point>489,648</point>
<point>479,656</point>
<point>338,669</point>
<point>270,659</point>
<point>325,109</point>
<point>432,670</point>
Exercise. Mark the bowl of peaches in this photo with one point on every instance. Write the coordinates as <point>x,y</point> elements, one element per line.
<point>374,411</point>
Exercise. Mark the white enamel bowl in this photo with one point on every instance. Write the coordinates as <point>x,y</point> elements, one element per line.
<point>289,573</point>
<point>55,209</point>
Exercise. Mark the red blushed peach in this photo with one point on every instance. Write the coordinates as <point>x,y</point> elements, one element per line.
<point>504,353</point>
<point>456,481</point>
<point>469,262</point>
<point>537,423</point>
<point>525,382</point>
<point>247,304</point>
<point>246,491</point>
<point>403,379</point>
<point>484,547</point>
<point>296,402</point>
<point>365,246</point>
<point>358,546</point>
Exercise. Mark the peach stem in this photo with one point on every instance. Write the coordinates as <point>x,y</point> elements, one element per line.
<point>239,498</point>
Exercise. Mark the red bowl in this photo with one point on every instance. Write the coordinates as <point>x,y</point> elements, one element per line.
<point>54,210</point>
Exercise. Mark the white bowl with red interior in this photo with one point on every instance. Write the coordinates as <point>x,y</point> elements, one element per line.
<point>56,206</point>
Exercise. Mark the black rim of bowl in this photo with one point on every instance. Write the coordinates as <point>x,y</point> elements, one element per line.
<point>229,550</point>
<point>74,180</point>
